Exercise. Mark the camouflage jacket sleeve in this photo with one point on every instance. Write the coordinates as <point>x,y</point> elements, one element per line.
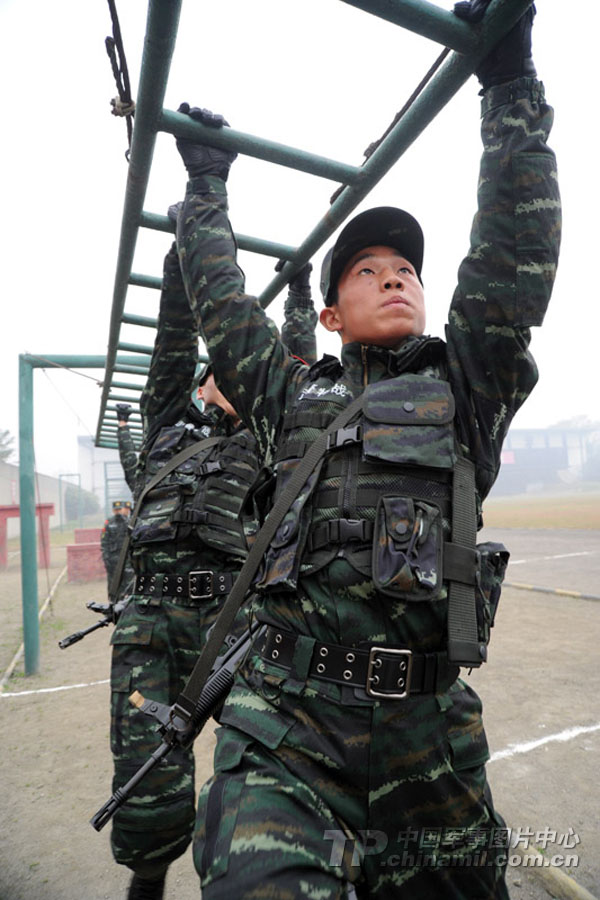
<point>298,330</point>
<point>252,365</point>
<point>104,542</point>
<point>167,392</point>
<point>505,282</point>
<point>127,455</point>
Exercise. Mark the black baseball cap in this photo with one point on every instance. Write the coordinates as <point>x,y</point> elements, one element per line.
<point>385,226</point>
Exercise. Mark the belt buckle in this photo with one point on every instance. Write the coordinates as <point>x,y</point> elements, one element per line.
<point>201,573</point>
<point>405,669</point>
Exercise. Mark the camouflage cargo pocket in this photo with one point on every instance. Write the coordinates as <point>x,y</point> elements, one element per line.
<point>407,549</point>
<point>493,560</point>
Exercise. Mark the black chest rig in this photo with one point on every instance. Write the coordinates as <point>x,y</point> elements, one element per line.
<point>203,497</point>
<point>384,497</point>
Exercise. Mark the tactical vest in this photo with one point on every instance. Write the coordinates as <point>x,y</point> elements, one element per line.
<point>382,496</point>
<point>203,496</point>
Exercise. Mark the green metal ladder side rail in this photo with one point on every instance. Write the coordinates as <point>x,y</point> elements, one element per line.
<point>29,577</point>
<point>159,43</point>
<point>470,43</point>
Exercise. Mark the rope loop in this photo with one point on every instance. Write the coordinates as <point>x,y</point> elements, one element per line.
<point>122,107</point>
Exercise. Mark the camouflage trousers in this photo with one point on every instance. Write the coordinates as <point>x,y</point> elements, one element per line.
<point>154,650</point>
<point>315,798</point>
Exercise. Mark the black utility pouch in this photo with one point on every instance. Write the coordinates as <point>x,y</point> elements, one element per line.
<point>407,549</point>
<point>493,560</point>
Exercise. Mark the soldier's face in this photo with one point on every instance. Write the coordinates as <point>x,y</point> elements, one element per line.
<point>380,299</point>
<point>212,396</point>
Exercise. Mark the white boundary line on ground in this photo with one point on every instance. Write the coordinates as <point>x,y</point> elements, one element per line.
<point>53,690</point>
<point>526,746</point>
<point>518,562</point>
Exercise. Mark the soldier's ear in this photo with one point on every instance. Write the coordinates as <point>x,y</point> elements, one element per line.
<point>330,318</point>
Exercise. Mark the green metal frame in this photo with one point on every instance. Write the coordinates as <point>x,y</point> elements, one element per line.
<point>29,575</point>
<point>469,43</point>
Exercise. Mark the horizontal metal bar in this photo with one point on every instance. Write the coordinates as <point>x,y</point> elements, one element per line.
<point>125,397</point>
<point>131,370</point>
<point>425,19</point>
<point>48,360</point>
<point>244,241</point>
<point>250,145</point>
<point>144,321</point>
<point>500,17</point>
<point>135,348</point>
<point>147,281</point>
<point>126,385</point>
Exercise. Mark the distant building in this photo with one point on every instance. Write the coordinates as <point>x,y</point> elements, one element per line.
<point>540,458</point>
<point>101,472</point>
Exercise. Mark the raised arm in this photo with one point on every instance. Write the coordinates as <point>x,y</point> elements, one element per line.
<point>298,330</point>
<point>127,455</point>
<point>505,282</point>
<point>252,365</point>
<point>167,393</point>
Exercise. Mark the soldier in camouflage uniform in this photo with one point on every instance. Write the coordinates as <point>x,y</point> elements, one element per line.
<point>113,534</point>
<point>188,543</point>
<point>350,753</point>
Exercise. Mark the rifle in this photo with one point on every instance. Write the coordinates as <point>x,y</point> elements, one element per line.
<point>174,729</point>
<point>111,611</point>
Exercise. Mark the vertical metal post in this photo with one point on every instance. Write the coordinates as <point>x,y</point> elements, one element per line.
<point>60,502</point>
<point>29,581</point>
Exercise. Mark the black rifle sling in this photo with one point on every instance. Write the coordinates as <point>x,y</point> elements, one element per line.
<point>156,479</point>
<point>189,696</point>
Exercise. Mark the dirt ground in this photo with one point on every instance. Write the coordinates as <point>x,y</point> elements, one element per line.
<point>541,685</point>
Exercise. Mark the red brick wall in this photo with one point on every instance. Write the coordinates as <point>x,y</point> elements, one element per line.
<point>84,562</point>
<point>87,535</point>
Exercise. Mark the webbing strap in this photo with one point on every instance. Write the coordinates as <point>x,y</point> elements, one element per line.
<point>191,692</point>
<point>156,479</point>
<point>464,648</point>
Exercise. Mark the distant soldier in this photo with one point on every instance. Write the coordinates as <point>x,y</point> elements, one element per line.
<point>111,541</point>
<point>188,543</point>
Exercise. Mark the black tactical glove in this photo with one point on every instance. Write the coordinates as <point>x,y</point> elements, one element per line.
<point>123,411</point>
<point>511,57</point>
<point>198,158</point>
<point>301,280</point>
<point>173,212</point>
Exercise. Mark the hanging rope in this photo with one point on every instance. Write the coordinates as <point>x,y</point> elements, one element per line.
<point>66,402</point>
<point>419,88</point>
<point>122,105</point>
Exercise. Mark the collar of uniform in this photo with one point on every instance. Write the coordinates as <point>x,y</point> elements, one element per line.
<point>379,362</point>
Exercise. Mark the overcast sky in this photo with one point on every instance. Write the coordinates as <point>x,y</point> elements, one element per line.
<point>318,75</point>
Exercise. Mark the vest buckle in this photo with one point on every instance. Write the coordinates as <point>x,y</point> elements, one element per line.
<point>352,434</point>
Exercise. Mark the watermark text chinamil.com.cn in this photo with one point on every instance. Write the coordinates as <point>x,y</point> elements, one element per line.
<point>456,847</point>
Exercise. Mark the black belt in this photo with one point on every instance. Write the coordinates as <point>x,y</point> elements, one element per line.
<point>384,672</point>
<point>200,585</point>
